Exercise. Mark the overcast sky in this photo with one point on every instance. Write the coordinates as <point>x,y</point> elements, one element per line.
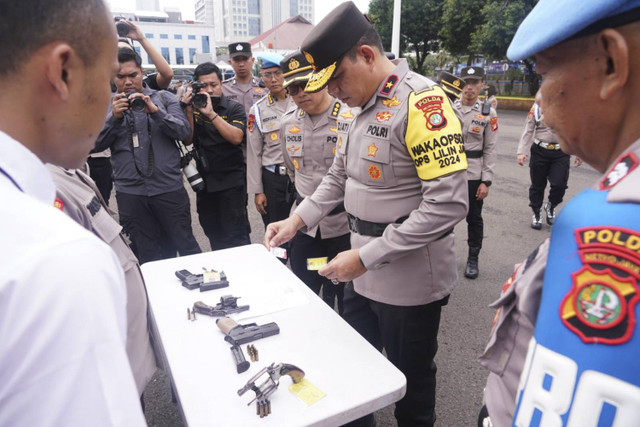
<point>323,7</point>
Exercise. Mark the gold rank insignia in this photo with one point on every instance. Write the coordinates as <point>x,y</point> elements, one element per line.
<point>372,150</point>
<point>334,130</point>
<point>294,129</point>
<point>296,164</point>
<point>334,151</point>
<point>293,64</point>
<point>393,102</point>
<point>374,172</point>
<point>339,142</point>
<point>274,136</point>
<point>384,116</point>
<point>347,115</point>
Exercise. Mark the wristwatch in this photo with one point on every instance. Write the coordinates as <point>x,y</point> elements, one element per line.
<point>487,183</point>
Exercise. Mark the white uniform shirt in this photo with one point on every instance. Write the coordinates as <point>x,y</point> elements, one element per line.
<point>62,310</point>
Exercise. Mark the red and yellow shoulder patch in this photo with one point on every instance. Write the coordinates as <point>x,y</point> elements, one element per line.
<point>494,124</point>
<point>58,204</point>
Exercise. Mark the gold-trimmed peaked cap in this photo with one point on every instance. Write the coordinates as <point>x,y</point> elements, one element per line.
<point>451,84</point>
<point>296,68</point>
<point>328,42</point>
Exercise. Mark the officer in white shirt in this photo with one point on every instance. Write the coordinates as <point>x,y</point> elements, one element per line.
<point>62,292</point>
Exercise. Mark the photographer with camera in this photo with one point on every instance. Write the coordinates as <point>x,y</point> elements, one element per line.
<point>141,129</point>
<point>99,162</point>
<point>217,130</point>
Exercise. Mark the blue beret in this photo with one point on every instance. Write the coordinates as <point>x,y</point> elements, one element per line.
<point>554,21</point>
<point>269,60</point>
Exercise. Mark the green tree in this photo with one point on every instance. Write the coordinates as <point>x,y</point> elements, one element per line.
<point>460,19</point>
<point>420,25</point>
<point>501,21</point>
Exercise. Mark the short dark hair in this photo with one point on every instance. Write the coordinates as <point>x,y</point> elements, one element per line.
<point>125,55</point>
<point>32,24</point>
<point>370,38</point>
<point>206,68</point>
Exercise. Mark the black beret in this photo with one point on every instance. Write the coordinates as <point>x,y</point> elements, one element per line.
<point>327,43</point>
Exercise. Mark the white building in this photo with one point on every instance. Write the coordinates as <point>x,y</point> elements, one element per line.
<point>241,20</point>
<point>181,43</point>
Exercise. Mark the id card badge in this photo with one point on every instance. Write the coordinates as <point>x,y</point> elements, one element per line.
<point>136,142</point>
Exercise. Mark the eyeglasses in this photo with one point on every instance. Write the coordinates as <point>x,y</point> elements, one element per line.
<point>272,74</point>
<point>295,88</point>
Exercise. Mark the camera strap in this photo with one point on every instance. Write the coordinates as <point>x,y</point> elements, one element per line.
<point>131,130</point>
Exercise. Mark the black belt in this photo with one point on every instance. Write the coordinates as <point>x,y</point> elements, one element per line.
<point>473,154</point>
<point>338,209</point>
<point>376,229</point>
<point>277,169</point>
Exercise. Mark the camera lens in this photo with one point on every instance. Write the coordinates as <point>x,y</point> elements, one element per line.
<point>137,104</point>
<point>122,28</point>
<point>200,100</point>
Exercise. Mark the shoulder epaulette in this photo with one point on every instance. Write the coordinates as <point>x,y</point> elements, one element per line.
<point>336,109</point>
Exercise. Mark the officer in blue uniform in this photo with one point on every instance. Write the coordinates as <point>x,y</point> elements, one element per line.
<point>566,343</point>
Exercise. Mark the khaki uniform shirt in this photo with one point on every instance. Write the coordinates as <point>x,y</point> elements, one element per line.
<point>79,198</point>
<point>480,134</point>
<point>401,156</point>
<point>535,128</point>
<point>519,303</point>
<point>309,150</point>
<point>247,97</point>
<point>263,138</point>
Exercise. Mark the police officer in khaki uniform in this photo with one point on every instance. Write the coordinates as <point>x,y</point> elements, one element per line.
<point>267,177</point>
<point>480,131</point>
<point>310,136</point>
<point>548,162</point>
<point>79,198</point>
<point>243,87</point>
<point>400,169</point>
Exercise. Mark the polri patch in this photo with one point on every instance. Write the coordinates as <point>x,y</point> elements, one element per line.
<point>252,122</point>
<point>494,124</point>
<point>624,167</point>
<point>600,306</point>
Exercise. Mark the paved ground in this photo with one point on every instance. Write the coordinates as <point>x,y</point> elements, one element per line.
<point>467,319</point>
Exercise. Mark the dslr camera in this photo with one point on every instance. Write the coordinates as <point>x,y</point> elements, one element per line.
<point>199,100</point>
<point>122,27</point>
<point>136,104</point>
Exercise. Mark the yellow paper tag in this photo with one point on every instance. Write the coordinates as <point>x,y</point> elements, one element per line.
<point>210,276</point>
<point>316,263</point>
<point>306,392</point>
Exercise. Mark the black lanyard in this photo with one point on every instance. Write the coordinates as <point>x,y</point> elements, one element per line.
<point>131,130</point>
